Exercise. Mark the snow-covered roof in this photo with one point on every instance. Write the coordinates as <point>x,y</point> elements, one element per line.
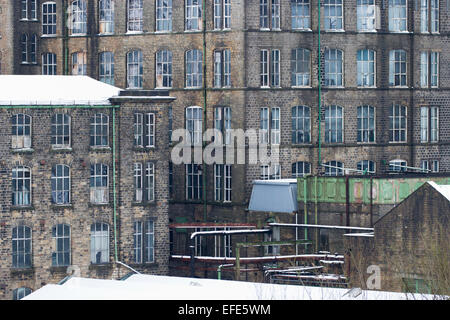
<point>28,90</point>
<point>149,287</point>
<point>442,189</point>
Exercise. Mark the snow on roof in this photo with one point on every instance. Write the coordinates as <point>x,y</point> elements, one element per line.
<point>442,189</point>
<point>54,90</point>
<point>149,287</point>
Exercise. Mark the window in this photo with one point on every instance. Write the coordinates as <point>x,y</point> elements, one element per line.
<point>106,67</point>
<point>269,19</point>
<point>397,68</point>
<point>429,16</point>
<point>366,124</point>
<point>301,124</point>
<point>333,12</point>
<point>135,21</point>
<point>144,182</point>
<point>137,241</point>
<point>429,124</point>
<point>300,67</point>
<point>78,17</point>
<point>163,15</point>
<point>222,14</point>
<point>222,123</point>
<point>194,63</point>
<point>170,120</point>
<point>61,238</point>
<point>24,47</point>
<point>21,247</point>
<point>300,14</point>
<point>49,64</point>
<point>222,244</point>
<point>135,70</point>
<point>333,68</point>
<point>24,10</point>
<point>79,63</point>
<point>366,166</point>
<point>149,241</point>
<point>144,130</point>
<point>272,172</point>
<point>33,48</point>
<point>21,186</point>
<point>366,68</point>
<point>397,123</point>
<point>269,124</point>
<point>99,130</point>
<point>106,16</point>
<point>222,68</point>
<point>366,15</point>
<point>435,166</point>
<point>60,184</point>
<point>164,69</point>
<point>272,250</point>
<point>425,166</point>
<point>334,168</point>
<point>49,18</point>
<point>300,169</point>
<point>33,10</point>
<point>270,67</point>
<point>398,165</point>
<point>334,124</point>
<point>194,182</point>
<point>398,16</point>
<point>429,69</point>
<point>222,182</point>
<point>20,293</point>
<point>21,131</point>
<point>193,13</point>
<point>99,183</point>
<point>99,243</point>
<point>194,125</point>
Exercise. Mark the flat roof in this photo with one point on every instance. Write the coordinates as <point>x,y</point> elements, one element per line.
<point>37,90</point>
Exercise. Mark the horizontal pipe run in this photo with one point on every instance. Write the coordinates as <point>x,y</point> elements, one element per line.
<point>320,226</point>
<point>228,232</point>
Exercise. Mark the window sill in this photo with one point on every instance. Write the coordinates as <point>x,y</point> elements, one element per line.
<point>105,34</point>
<point>334,87</point>
<point>22,271</point>
<point>301,87</point>
<point>100,148</point>
<point>76,35</point>
<point>144,149</point>
<point>23,150</point>
<point>367,31</point>
<point>144,204</point>
<point>95,204</point>
<point>335,31</point>
<point>58,269</point>
<point>19,208</point>
<point>302,30</point>
<point>48,36</point>
<point>61,206</point>
<point>362,88</point>
<point>61,149</point>
<point>134,32</point>
<point>400,32</point>
<point>398,87</point>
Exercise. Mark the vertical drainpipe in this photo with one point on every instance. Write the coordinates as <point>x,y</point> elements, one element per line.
<point>65,30</point>
<point>319,86</point>
<point>204,110</point>
<point>315,213</point>
<point>114,183</point>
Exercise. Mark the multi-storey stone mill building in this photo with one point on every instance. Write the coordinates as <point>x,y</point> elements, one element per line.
<point>364,88</point>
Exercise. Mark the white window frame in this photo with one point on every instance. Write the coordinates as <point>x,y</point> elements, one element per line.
<point>194,125</point>
<point>333,119</point>
<point>193,15</point>
<point>366,12</point>
<point>300,169</point>
<point>396,117</point>
<point>222,68</point>
<point>365,165</point>
<point>222,123</point>
<point>49,64</point>
<point>135,69</point>
<point>49,19</point>
<point>24,48</point>
<point>79,63</point>
<point>33,49</point>
<point>333,18</point>
<point>21,134</point>
<point>334,168</point>
<point>429,16</point>
<point>99,243</point>
<point>106,67</point>
<point>61,184</point>
<point>99,183</point>
<point>396,62</point>
<point>194,68</point>
<point>106,16</point>
<point>332,62</point>
<point>398,15</point>
<point>398,165</point>
<point>366,124</point>
<point>270,172</point>
<point>163,15</point>
<point>222,182</point>
<point>78,17</point>
<point>366,59</point>
<point>300,20</point>
<point>21,186</point>
<point>163,69</point>
<point>301,124</point>
<point>429,69</point>
<point>99,135</point>
<point>194,190</point>
<point>24,10</point>
<point>56,235</point>
<point>222,14</point>
<point>22,242</point>
<point>33,9</point>
<point>300,58</point>
<point>135,16</point>
<point>429,124</point>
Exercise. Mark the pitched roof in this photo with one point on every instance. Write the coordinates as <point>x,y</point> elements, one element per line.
<point>442,189</point>
<point>29,90</point>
